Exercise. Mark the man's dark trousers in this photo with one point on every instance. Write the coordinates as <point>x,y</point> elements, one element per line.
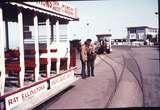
<point>90,67</point>
<point>83,70</point>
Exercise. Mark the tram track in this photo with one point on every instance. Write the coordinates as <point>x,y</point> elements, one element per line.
<point>140,81</point>
<point>58,96</point>
<point>138,77</point>
<point>117,80</point>
<point>117,74</point>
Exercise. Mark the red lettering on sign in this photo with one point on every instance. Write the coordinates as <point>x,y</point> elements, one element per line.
<point>32,92</point>
<point>12,101</point>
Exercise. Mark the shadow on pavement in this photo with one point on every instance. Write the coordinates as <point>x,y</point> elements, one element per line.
<point>52,100</point>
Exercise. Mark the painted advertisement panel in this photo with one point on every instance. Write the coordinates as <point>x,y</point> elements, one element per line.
<point>56,7</point>
<point>23,96</point>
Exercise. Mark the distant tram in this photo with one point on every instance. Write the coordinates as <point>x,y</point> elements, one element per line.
<point>43,63</point>
<point>104,43</point>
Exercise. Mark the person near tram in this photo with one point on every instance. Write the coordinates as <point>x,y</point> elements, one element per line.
<point>91,56</point>
<point>83,58</point>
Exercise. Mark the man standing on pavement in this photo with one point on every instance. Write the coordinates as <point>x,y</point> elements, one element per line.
<point>91,56</point>
<point>83,58</point>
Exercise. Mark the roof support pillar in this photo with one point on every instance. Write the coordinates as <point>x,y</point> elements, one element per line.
<point>2,59</point>
<point>21,47</point>
<point>58,44</point>
<point>36,47</point>
<point>68,47</point>
<point>48,27</point>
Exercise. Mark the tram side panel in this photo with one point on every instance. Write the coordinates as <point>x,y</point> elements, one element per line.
<point>27,99</point>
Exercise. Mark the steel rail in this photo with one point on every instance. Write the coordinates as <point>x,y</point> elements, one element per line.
<point>117,81</point>
<point>139,81</point>
<point>140,74</point>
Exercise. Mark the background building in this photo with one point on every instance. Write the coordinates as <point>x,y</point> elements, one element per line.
<point>142,33</point>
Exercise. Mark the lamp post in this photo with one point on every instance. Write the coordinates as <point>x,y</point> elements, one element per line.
<point>158,39</point>
<point>157,13</point>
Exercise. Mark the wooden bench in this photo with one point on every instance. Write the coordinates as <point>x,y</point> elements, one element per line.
<point>12,64</point>
<point>44,61</point>
<point>12,61</point>
<point>30,65</point>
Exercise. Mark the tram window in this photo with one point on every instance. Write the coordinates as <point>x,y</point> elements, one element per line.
<point>53,33</point>
<point>63,33</point>
<point>26,28</point>
<point>27,33</point>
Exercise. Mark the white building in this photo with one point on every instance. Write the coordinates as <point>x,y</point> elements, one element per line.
<point>142,33</point>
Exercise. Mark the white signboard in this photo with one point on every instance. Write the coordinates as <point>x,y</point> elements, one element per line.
<point>60,79</point>
<point>56,7</point>
<point>141,36</point>
<point>132,36</point>
<point>20,97</point>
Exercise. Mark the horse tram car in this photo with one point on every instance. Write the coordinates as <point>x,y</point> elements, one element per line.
<point>104,43</point>
<point>36,60</point>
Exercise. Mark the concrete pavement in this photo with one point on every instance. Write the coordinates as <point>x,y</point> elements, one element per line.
<point>94,92</point>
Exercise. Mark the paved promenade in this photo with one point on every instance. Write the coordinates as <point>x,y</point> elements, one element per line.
<point>94,92</point>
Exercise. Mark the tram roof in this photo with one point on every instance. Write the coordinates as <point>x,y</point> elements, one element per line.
<point>103,35</point>
<point>58,9</point>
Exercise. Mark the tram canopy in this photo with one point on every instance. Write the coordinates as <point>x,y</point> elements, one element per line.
<point>57,9</point>
<point>103,35</point>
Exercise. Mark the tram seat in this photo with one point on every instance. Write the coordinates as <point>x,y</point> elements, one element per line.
<point>29,51</point>
<point>12,61</point>
<point>13,68</point>
<point>44,61</point>
<point>43,51</point>
<point>29,62</point>
<point>10,54</point>
<point>63,63</point>
<point>7,54</point>
<point>53,59</point>
<point>53,50</point>
<point>12,64</point>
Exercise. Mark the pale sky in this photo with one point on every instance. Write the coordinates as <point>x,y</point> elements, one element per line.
<point>114,15</point>
<point>104,15</point>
